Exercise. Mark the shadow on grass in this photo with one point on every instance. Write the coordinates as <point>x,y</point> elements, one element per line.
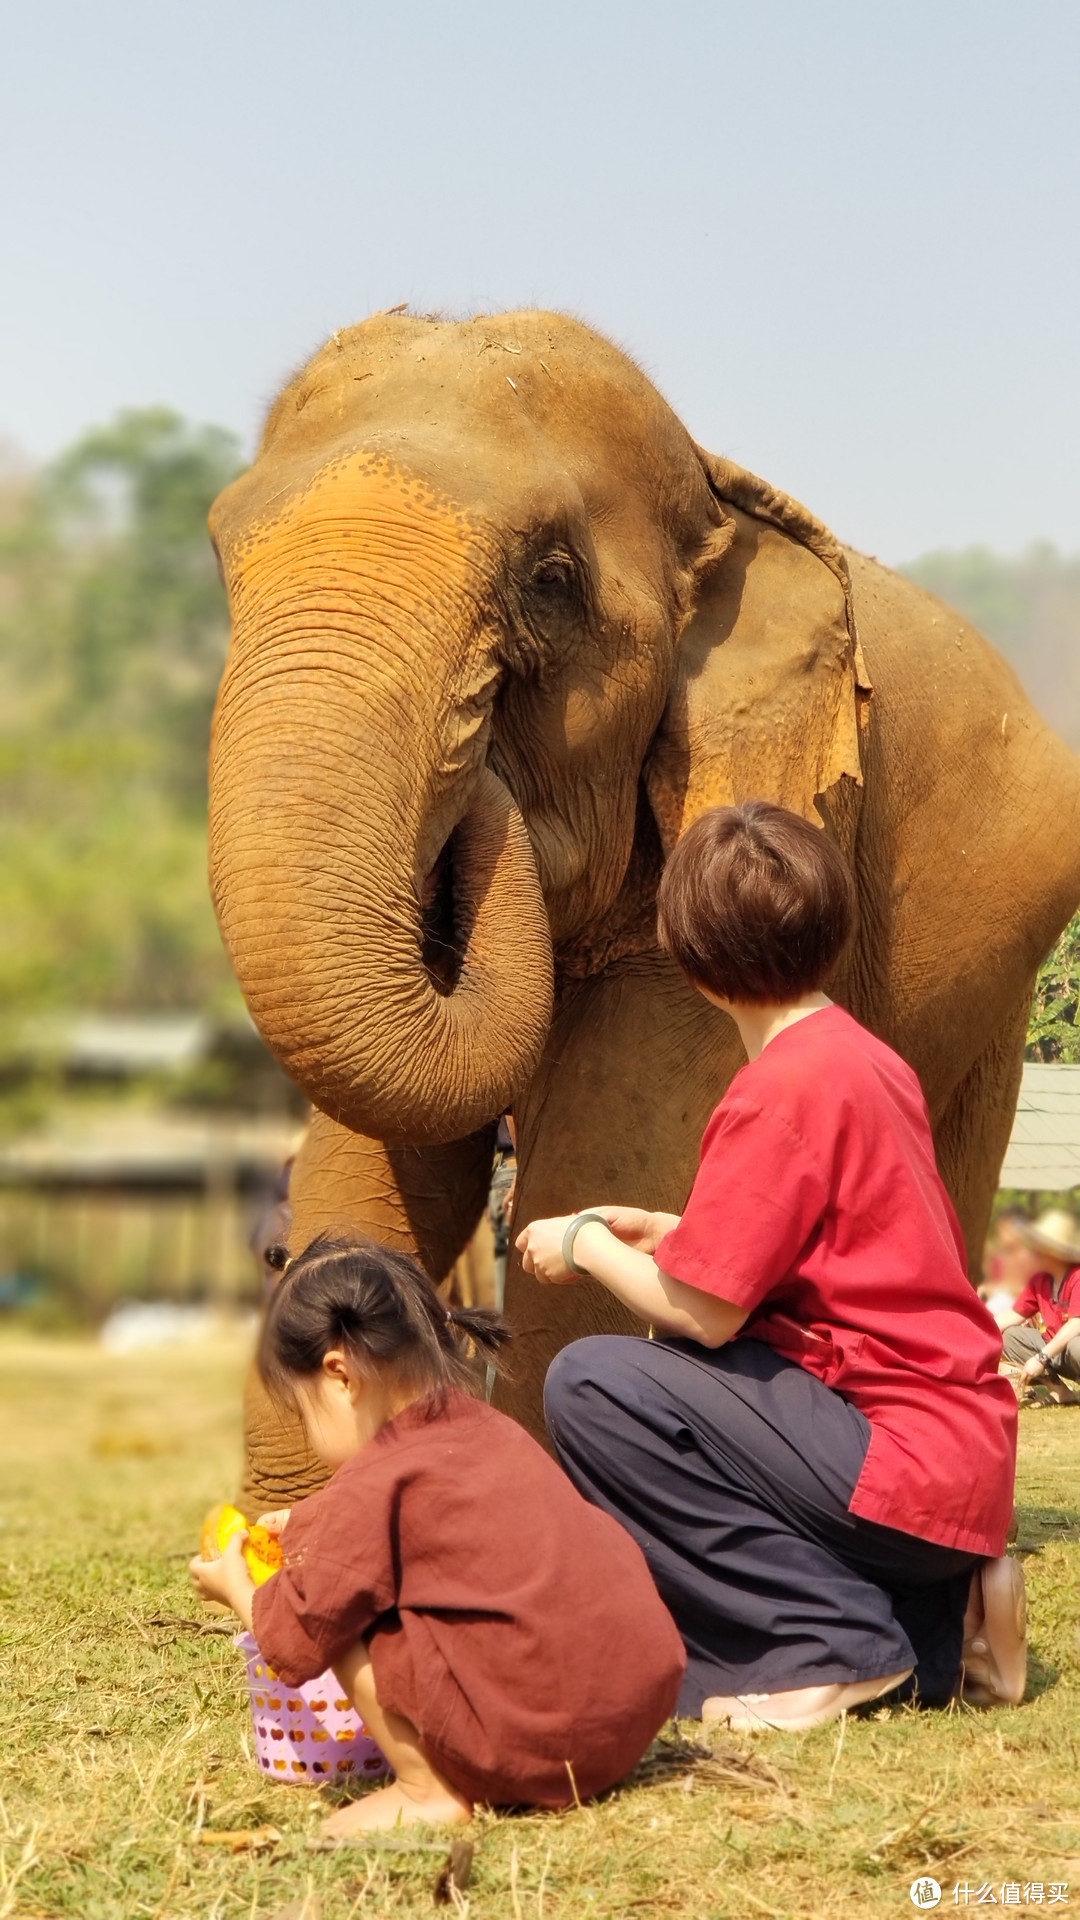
<point>1043,1675</point>
<point>1036,1524</point>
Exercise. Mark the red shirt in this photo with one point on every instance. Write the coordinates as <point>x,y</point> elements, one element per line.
<point>1038,1298</point>
<point>516,1626</point>
<point>819,1206</point>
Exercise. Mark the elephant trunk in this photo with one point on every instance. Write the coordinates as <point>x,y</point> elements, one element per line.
<point>375,887</point>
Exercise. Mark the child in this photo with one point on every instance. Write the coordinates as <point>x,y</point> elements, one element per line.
<point>817,1451</point>
<point>502,1640</point>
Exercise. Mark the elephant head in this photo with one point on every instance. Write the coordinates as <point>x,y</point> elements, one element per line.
<point>487,594</point>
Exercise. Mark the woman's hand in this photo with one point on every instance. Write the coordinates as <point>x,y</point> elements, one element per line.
<point>226,1579</point>
<point>540,1247</point>
<point>637,1228</point>
<point>629,1272</point>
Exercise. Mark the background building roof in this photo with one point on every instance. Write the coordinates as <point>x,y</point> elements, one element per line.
<point>132,1149</point>
<point>1044,1151</point>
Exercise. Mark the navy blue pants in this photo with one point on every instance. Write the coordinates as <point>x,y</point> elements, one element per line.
<point>733,1470</point>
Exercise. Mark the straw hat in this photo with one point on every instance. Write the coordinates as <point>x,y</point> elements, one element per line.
<point>1055,1232</point>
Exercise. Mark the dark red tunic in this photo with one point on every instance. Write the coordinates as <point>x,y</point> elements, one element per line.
<point>517,1627</point>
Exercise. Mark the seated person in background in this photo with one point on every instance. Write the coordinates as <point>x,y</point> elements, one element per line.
<point>1006,1264</point>
<point>1042,1329</point>
<point>501,1639</point>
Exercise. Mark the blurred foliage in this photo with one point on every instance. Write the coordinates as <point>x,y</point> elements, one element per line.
<point>113,631</point>
<point>1054,1033</point>
<point>1030,608</point>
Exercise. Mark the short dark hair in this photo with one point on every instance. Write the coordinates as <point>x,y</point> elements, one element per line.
<point>756,904</point>
<point>383,1311</point>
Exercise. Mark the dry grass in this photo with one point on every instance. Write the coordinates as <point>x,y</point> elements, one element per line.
<point>123,1739</point>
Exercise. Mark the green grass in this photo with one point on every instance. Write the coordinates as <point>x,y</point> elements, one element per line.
<point>122,1738</point>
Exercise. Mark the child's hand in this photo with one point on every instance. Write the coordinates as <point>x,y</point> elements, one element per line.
<point>226,1579</point>
<point>540,1247</point>
<point>275,1522</point>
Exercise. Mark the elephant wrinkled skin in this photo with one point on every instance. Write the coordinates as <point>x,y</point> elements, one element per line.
<point>500,631</point>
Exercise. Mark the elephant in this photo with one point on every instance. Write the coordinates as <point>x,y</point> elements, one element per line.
<point>500,631</point>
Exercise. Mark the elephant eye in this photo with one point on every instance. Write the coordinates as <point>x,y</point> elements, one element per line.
<point>544,609</point>
<point>554,575</point>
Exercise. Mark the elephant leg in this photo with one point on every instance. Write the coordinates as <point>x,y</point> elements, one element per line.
<point>634,1066</point>
<point>279,1466</point>
<point>422,1200</point>
<point>972,1131</point>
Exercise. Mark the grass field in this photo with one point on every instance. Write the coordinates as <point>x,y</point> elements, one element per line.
<point>124,1739</point>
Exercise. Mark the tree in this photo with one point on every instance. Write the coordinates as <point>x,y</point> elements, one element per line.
<point>1054,1031</point>
<point>113,631</point>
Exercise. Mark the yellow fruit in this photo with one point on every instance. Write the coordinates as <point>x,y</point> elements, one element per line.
<point>262,1554</point>
<point>262,1549</point>
<point>218,1529</point>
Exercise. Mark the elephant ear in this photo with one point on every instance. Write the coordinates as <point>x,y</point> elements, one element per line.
<point>769,691</point>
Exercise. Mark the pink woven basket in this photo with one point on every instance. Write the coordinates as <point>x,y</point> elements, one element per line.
<point>306,1736</point>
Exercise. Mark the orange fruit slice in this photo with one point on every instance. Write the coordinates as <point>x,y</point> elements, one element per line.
<point>262,1554</point>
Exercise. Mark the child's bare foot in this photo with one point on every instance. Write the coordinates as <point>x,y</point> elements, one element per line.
<point>396,1806</point>
<point>798,1709</point>
<point>420,1795</point>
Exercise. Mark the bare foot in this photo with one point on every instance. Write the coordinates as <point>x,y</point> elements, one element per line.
<point>395,1806</point>
<point>798,1709</point>
<point>419,1794</point>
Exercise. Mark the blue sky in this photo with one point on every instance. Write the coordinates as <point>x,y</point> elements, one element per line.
<point>841,236</point>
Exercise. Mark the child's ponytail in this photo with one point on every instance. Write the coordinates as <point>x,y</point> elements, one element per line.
<point>485,1330</point>
<point>381,1309</point>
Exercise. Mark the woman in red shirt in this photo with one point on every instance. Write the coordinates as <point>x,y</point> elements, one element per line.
<point>817,1451</point>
